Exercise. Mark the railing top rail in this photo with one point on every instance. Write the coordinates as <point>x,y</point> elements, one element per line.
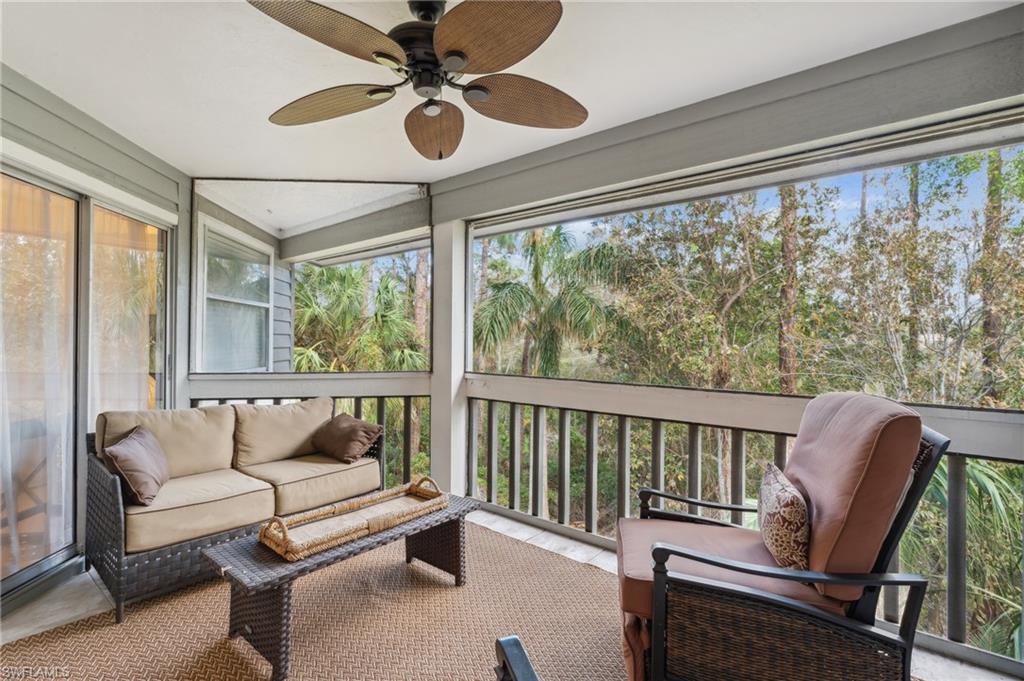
<point>974,432</point>
<point>265,386</point>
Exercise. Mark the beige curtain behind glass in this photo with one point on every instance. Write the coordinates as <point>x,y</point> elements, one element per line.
<point>127,319</point>
<point>37,326</point>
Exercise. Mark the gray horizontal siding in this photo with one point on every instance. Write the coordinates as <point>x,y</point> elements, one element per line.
<point>284,336</point>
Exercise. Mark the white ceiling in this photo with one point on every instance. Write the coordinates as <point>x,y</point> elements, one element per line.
<point>289,208</point>
<point>194,82</point>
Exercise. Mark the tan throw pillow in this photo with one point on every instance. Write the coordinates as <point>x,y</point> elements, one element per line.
<point>139,459</point>
<point>346,438</point>
<point>782,515</point>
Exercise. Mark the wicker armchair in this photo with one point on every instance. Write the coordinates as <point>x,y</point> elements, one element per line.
<point>740,624</point>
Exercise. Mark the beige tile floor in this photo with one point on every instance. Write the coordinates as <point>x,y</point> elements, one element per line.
<point>84,595</point>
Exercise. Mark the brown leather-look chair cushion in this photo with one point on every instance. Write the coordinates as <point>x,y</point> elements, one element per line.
<point>852,459</point>
<point>636,567</point>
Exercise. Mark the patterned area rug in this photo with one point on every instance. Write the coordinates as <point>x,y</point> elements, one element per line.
<point>371,618</point>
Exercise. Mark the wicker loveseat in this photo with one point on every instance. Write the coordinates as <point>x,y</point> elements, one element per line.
<point>231,466</point>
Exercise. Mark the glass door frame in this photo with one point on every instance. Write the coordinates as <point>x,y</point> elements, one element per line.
<point>25,578</point>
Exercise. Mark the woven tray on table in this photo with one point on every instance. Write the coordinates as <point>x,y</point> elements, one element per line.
<point>303,534</point>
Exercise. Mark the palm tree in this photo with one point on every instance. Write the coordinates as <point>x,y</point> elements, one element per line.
<point>336,331</point>
<point>554,303</point>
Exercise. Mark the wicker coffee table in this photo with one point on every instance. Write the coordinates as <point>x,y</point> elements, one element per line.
<point>261,581</point>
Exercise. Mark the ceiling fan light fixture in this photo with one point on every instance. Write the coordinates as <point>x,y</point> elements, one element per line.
<point>387,60</point>
<point>454,62</point>
<point>380,93</point>
<point>431,108</point>
<point>476,93</point>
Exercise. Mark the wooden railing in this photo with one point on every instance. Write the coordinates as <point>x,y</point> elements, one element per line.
<point>975,434</point>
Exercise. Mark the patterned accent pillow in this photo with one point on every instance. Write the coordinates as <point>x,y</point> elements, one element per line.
<point>782,515</point>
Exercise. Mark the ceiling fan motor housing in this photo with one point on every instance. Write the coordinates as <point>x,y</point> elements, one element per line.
<point>416,38</point>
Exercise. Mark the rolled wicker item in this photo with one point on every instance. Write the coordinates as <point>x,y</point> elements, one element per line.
<point>304,534</point>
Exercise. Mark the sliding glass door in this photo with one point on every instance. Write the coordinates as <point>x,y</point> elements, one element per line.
<point>38,261</point>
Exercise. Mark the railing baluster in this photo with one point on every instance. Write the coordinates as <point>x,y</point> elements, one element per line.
<point>956,549</point>
<point>737,473</point>
<point>891,594</point>
<point>382,420</point>
<point>515,464</point>
<point>407,440</point>
<point>590,498</point>
<point>277,400</point>
<point>357,407</point>
<point>564,471</point>
<point>492,451</point>
<point>693,477</point>
<point>472,448</point>
<point>622,488</point>
<point>657,458</point>
<point>780,451</point>
<point>539,477</point>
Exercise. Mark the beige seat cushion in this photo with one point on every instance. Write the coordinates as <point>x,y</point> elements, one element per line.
<point>636,567</point>
<point>852,460</point>
<point>306,482</point>
<point>193,440</point>
<point>273,432</point>
<point>194,506</point>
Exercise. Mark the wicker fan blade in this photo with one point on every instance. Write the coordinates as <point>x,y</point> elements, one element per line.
<point>331,103</point>
<point>332,28</point>
<point>492,35</point>
<point>435,137</point>
<point>525,101</point>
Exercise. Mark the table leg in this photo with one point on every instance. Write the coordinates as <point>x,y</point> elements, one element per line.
<point>443,546</point>
<point>264,619</point>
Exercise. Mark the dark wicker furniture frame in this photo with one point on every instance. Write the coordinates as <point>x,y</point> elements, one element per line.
<point>706,629</point>
<point>131,577</point>
<point>261,581</point>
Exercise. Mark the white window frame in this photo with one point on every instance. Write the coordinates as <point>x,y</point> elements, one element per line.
<point>208,224</point>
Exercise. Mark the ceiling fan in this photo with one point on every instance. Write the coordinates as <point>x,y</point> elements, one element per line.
<point>434,52</point>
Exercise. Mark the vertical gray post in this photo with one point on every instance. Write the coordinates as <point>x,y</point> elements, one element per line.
<point>382,420</point>
<point>564,471</point>
<point>625,455</point>
<point>407,439</point>
<point>539,477</point>
<point>472,448</point>
<point>357,407</point>
<point>657,459</point>
<point>693,465</point>
<point>737,473</point>
<point>492,451</point>
<point>590,492</point>
<point>515,454</point>
<point>780,451</point>
<point>956,549</point>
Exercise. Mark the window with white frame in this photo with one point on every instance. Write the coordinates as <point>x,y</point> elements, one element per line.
<point>236,300</point>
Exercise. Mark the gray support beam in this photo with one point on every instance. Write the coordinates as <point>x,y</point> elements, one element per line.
<point>780,451</point>
<point>407,439</point>
<point>323,242</point>
<point>472,448</point>
<point>382,416</point>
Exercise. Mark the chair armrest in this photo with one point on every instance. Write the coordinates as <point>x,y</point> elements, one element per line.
<point>513,662</point>
<point>646,493</point>
<point>662,552</point>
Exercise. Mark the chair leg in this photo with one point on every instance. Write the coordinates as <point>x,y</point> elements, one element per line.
<point>119,611</point>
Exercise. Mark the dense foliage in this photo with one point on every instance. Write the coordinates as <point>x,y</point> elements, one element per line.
<point>905,281</point>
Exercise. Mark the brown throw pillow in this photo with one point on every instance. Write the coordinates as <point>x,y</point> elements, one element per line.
<point>346,438</point>
<point>782,515</point>
<point>139,459</point>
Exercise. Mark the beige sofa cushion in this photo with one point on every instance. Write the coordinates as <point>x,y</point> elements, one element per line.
<point>194,440</point>
<point>266,433</point>
<point>306,482</point>
<point>194,506</point>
